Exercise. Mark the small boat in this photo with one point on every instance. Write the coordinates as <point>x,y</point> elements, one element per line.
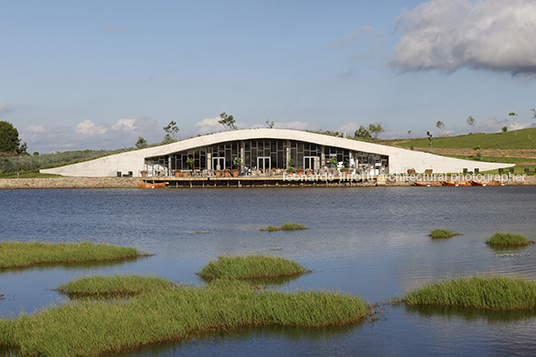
<point>456,183</point>
<point>152,185</point>
<point>485,183</point>
<point>428,183</point>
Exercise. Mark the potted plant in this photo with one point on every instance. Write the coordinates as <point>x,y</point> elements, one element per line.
<point>235,172</point>
<point>217,173</point>
<point>177,173</point>
<point>143,173</point>
<point>190,161</point>
<point>226,172</point>
<point>308,172</point>
<point>290,170</point>
<point>299,171</point>
<point>344,171</point>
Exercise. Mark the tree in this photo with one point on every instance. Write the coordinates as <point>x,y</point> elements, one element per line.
<point>471,122</point>
<point>270,125</point>
<point>440,125</point>
<point>9,139</point>
<point>409,133</point>
<point>514,115</point>
<point>227,121</point>
<point>168,139</point>
<point>533,113</point>
<point>429,138</point>
<point>362,132</point>
<point>141,143</point>
<point>172,129</point>
<point>504,129</point>
<point>376,129</point>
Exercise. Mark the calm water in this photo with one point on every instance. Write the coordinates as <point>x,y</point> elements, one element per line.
<point>366,241</point>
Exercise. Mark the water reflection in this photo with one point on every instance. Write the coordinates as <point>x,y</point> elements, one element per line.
<point>474,315</point>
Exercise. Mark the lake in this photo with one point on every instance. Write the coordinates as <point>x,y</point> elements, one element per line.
<point>370,242</point>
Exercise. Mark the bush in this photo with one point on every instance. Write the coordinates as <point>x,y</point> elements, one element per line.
<point>442,233</point>
<point>507,239</point>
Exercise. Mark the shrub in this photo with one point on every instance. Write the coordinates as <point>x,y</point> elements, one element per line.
<point>507,239</point>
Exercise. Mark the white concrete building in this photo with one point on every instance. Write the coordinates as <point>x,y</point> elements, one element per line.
<point>264,149</point>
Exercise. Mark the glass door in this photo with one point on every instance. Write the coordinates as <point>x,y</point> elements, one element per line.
<point>218,163</point>
<point>309,162</point>
<point>263,163</point>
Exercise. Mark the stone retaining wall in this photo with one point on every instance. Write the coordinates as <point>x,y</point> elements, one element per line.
<point>70,182</point>
<point>129,182</point>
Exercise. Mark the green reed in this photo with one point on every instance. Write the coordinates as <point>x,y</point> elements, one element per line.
<point>476,291</point>
<point>507,239</point>
<point>285,227</point>
<point>250,266</point>
<point>442,233</point>
<point>113,285</point>
<point>93,328</point>
<point>18,254</point>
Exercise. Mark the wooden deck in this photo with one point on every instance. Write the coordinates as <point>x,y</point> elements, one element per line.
<point>262,181</point>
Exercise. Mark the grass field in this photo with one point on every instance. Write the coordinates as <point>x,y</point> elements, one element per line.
<point>525,139</point>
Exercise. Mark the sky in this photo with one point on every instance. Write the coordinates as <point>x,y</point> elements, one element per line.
<point>92,74</point>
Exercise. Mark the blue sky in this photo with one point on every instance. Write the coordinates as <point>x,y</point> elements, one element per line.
<point>98,74</point>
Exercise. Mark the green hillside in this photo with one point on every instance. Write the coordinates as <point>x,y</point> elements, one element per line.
<point>525,139</point>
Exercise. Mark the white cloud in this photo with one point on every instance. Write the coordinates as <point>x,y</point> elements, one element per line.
<point>446,35</point>
<point>494,125</point>
<point>209,122</point>
<point>87,127</point>
<point>87,135</point>
<point>349,128</point>
<point>347,40</point>
<point>125,124</point>
<point>6,109</point>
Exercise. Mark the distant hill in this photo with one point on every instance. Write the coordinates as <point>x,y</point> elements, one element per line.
<point>525,139</point>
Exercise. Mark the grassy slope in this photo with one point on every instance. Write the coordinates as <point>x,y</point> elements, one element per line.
<point>506,140</point>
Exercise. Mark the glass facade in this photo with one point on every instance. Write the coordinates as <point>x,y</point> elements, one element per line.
<point>262,154</point>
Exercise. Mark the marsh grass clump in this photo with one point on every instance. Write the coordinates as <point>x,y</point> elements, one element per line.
<point>442,233</point>
<point>508,239</point>
<point>18,254</point>
<point>285,227</point>
<point>91,328</point>
<point>477,291</point>
<point>250,266</point>
<point>98,285</point>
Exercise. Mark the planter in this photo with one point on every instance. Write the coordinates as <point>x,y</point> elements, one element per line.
<point>177,174</point>
<point>235,173</point>
<point>308,173</point>
<point>299,173</point>
<point>184,174</point>
<point>144,174</point>
<point>226,174</point>
<point>218,173</point>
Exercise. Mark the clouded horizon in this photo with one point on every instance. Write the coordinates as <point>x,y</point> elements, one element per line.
<point>96,75</point>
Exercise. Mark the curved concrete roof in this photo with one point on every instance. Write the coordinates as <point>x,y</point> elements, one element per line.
<point>400,160</point>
